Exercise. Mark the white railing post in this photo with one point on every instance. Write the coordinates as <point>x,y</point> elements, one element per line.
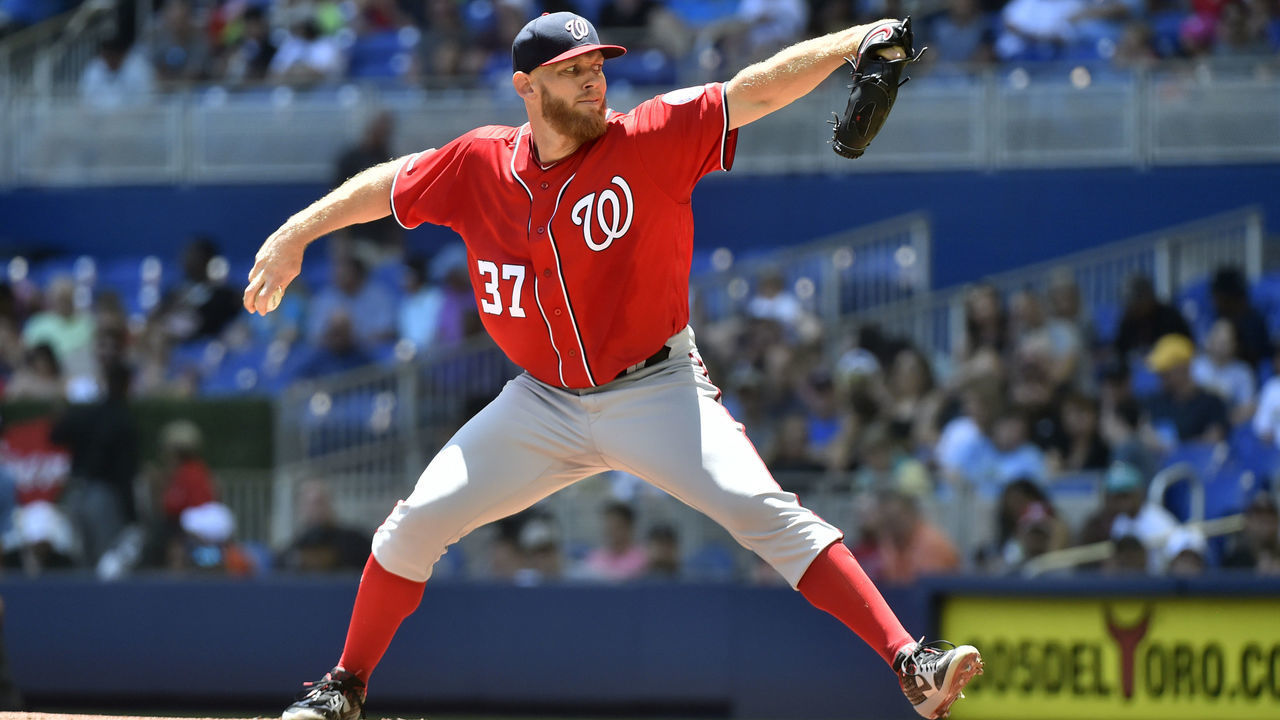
<point>1163,268</point>
<point>1254,236</point>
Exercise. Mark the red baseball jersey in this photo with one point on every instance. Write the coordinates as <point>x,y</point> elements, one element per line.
<point>580,268</point>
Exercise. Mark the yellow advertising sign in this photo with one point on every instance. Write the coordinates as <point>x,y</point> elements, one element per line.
<point>1092,658</point>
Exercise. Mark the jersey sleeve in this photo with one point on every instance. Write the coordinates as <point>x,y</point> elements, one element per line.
<point>684,135</point>
<point>425,186</point>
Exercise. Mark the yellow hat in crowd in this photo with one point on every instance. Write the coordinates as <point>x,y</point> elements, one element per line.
<point>1170,351</point>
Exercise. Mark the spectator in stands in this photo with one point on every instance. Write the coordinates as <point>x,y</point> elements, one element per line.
<point>201,305</point>
<point>914,402</point>
<point>248,57</point>
<point>1128,557</point>
<point>1219,371</point>
<point>985,335</point>
<point>451,299</point>
<point>910,544</point>
<point>337,350</point>
<point>448,52</point>
<point>207,544</point>
<point>1182,412</point>
<point>307,57</point>
<point>1083,448</point>
<point>1230,294</point>
<point>157,374</point>
<point>117,78</point>
<point>381,238</point>
<point>792,449</point>
<point>1266,418</point>
<point>1145,319</point>
<point>542,560</point>
<point>1185,553</point>
<point>1015,455</point>
<point>1126,511</point>
<point>965,453</point>
<point>354,295</point>
<point>1257,547</point>
<point>619,557</point>
<point>67,330</point>
<point>379,16</point>
<point>324,544</point>
<point>663,549</point>
<point>886,465</point>
<point>646,24</point>
<point>1241,30</point>
<point>963,34</point>
<point>42,539</point>
<point>39,378</point>
<point>185,479</point>
<point>104,463</point>
<point>179,48</point>
<point>773,302</point>
<point>1038,531</point>
<point>1136,47</point>
<point>769,25</point>
<point>1015,498</point>
<point>1058,340</point>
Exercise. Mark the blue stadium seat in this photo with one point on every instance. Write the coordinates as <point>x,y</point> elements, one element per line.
<point>381,55</point>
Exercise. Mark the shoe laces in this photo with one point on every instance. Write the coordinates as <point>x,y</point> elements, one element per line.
<point>924,658</point>
<point>347,684</point>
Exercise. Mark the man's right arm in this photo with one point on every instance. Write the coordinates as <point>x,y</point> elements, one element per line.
<point>364,198</point>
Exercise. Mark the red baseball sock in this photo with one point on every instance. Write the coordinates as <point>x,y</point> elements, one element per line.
<point>383,601</point>
<point>836,583</point>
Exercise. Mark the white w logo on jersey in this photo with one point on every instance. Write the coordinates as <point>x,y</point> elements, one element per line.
<point>611,213</point>
<point>577,27</point>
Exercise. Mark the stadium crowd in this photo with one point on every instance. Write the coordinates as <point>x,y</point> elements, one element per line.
<point>466,43</point>
<point>1040,389</point>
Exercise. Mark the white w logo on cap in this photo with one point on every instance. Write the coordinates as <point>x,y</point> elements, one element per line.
<point>577,27</point>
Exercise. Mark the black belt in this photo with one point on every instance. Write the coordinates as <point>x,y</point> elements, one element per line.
<point>663,353</point>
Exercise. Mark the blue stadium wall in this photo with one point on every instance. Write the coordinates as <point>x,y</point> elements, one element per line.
<point>1209,648</point>
<point>984,222</point>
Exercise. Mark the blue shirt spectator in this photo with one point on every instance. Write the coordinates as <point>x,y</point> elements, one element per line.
<point>356,297</point>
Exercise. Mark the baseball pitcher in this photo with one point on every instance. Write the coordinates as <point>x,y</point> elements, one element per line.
<point>579,238</point>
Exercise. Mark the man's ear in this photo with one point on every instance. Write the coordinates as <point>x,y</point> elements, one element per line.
<point>523,84</point>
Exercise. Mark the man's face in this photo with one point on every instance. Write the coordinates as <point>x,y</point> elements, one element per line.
<point>571,95</point>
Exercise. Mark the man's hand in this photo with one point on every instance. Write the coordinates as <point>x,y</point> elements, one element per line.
<point>277,263</point>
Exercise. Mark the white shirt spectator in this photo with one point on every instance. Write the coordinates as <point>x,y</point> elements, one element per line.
<point>1266,419</point>
<point>106,87</point>
<point>308,57</point>
<point>1233,382</point>
<point>774,23</point>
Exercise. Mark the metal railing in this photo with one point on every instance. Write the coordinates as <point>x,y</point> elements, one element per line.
<point>833,276</point>
<point>1173,258</point>
<point>962,121</point>
<point>370,432</point>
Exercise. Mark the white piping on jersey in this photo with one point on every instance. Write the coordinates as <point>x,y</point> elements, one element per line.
<point>559,362</point>
<point>408,162</point>
<point>724,136</point>
<point>528,226</point>
<point>563,288</point>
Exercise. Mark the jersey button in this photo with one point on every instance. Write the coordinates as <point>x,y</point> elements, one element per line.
<point>544,186</point>
<point>557,312</point>
<point>546,273</point>
<point>573,353</point>
<point>541,230</point>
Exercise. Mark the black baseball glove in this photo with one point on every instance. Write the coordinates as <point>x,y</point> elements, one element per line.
<point>875,86</point>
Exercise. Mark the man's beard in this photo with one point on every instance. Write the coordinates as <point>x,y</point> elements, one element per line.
<point>582,126</point>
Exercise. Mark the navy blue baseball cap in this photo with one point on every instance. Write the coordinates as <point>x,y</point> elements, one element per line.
<point>554,37</point>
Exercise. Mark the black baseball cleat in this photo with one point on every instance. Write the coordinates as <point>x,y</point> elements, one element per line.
<point>339,696</point>
<point>933,676</point>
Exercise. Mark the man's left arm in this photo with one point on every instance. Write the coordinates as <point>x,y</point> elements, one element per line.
<point>792,73</point>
